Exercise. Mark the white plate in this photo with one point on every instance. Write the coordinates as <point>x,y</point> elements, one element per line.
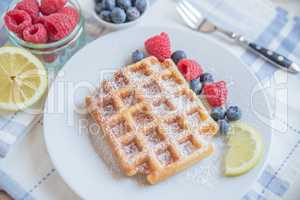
<point>91,172</point>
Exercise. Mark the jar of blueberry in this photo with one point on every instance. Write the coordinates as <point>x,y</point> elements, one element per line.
<point>51,29</point>
<point>117,14</point>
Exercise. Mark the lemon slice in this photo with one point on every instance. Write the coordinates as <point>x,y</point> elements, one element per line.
<point>23,79</point>
<point>245,149</point>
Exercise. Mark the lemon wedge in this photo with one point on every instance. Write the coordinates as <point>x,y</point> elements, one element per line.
<point>245,149</point>
<point>23,79</point>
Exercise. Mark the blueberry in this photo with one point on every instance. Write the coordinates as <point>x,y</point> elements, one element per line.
<point>233,113</point>
<point>178,55</point>
<point>137,55</point>
<point>224,126</point>
<point>196,86</point>
<point>132,14</point>
<point>206,78</point>
<point>217,113</point>
<point>140,5</point>
<point>98,8</point>
<point>118,15</point>
<point>108,4</point>
<point>106,15</point>
<point>124,4</point>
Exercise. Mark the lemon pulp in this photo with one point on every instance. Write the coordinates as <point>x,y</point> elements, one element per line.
<point>23,78</point>
<point>245,149</point>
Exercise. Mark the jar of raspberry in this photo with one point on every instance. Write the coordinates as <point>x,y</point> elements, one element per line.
<point>50,29</point>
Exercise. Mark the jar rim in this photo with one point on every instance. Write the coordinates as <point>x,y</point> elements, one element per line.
<point>55,44</point>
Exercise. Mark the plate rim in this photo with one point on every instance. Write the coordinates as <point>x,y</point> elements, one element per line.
<point>210,40</point>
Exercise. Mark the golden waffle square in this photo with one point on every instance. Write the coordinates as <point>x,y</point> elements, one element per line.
<point>153,122</point>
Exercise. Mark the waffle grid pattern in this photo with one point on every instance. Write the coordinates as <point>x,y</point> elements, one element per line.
<point>153,122</point>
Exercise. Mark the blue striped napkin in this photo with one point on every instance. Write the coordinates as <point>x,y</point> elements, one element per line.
<point>258,20</point>
<point>275,28</point>
<point>12,125</point>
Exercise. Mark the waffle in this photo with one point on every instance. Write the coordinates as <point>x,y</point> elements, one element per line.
<point>153,122</point>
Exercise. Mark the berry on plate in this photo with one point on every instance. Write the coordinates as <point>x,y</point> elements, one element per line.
<point>196,86</point>
<point>29,6</point>
<point>51,6</point>
<point>215,93</point>
<point>217,113</point>
<point>108,4</point>
<point>178,55</point>
<point>17,20</point>
<point>137,55</point>
<point>118,15</point>
<point>132,13</point>
<point>58,26</point>
<point>206,78</point>
<point>233,113</point>
<point>159,46</point>
<point>36,33</point>
<point>140,5</point>
<point>224,126</point>
<point>190,69</point>
<point>124,4</point>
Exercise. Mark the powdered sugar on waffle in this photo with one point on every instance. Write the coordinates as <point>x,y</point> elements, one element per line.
<point>165,158</point>
<point>129,100</point>
<point>161,109</point>
<point>138,77</point>
<point>170,85</point>
<point>194,119</point>
<point>182,103</point>
<point>142,119</point>
<point>108,110</point>
<point>187,148</point>
<point>174,130</point>
<point>119,129</point>
<point>157,68</point>
<point>135,94</point>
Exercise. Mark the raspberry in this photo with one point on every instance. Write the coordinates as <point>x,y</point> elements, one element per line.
<point>36,33</point>
<point>190,69</point>
<point>51,6</point>
<point>38,20</point>
<point>159,46</point>
<point>49,58</point>
<point>71,12</point>
<point>17,20</point>
<point>215,93</point>
<point>29,6</point>
<point>58,26</point>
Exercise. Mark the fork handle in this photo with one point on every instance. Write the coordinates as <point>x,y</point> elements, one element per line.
<point>270,56</point>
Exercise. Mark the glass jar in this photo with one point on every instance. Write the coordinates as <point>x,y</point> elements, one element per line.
<point>55,54</point>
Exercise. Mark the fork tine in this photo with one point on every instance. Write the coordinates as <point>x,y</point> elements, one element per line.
<point>188,13</point>
<point>193,9</point>
<point>186,18</point>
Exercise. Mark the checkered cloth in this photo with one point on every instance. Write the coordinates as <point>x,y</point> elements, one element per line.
<point>259,21</point>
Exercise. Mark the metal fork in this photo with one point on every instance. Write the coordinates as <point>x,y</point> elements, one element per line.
<point>195,20</point>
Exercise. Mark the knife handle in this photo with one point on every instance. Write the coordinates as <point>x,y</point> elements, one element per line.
<point>274,58</point>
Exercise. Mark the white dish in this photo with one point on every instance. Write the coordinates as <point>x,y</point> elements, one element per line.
<point>94,176</point>
<point>113,26</point>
